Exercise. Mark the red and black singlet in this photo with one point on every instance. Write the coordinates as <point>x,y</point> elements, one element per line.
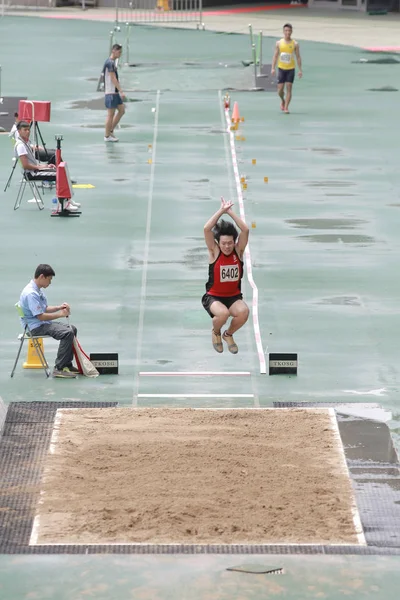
<point>225,275</point>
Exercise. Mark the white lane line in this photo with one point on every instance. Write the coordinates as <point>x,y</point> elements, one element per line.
<point>247,255</point>
<point>344,468</point>
<point>191,373</point>
<point>146,253</point>
<point>195,395</point>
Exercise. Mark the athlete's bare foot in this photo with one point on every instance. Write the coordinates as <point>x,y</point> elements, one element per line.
<point>283,105</point>
<point>286,111</point>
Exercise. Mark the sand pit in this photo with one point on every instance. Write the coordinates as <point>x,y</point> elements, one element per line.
<point>195,476</point>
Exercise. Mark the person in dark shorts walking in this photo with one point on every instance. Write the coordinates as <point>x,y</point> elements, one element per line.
<point>114,95</point>
<point>223,297</point>
<point>285,51</point>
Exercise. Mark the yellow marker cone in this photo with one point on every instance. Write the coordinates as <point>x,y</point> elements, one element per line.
<point>150,146</point>
<point>253,224</point>
<point>149,161</point>
<point>32,359</point>
<point>253,161</point>
<point>243,180</point>
<point>244,186</point>
<point>265,179</point>
<point>242,119</point>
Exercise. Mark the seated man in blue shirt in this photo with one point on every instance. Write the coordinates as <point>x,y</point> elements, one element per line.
<point>40,319</point>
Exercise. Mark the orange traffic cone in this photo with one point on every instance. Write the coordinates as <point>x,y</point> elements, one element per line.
<point>235,114</point>
<point>33,360</point>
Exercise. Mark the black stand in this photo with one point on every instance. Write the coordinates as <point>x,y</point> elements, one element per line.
<point>11,174</point>
<point>63,201</point>
<point>37,136</point>
<point>63,212</point>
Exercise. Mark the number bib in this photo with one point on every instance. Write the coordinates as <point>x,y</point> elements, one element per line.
<point>286,58</point>
<point>228,273</point>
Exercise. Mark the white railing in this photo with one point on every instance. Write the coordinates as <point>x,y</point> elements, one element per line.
<point>158,11</point>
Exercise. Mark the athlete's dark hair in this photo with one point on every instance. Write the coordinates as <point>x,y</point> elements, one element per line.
<point>45,270</point>
<point>225,228</point>
<point>288,25</point>
<point>116,47</point>
<point>21,124</point>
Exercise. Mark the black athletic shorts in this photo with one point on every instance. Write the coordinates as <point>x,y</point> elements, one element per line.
<point>207,300</point>
<point>285,75</point>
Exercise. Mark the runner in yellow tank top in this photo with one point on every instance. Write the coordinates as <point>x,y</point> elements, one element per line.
<point>285,51</point>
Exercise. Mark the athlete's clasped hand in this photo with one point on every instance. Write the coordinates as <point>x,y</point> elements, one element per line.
<point>226,204</point>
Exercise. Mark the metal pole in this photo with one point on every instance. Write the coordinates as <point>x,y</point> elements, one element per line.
<point>116,12</point>
<point>111,41</point>
<point>260,52</point>
<point>251,37</point>
<point>253,48</point>
<point>127,43</point>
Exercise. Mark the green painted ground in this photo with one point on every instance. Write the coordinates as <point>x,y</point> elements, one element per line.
<point>197,577</point>
<point>325,247</point>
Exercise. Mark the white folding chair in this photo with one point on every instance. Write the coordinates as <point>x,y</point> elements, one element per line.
<point>26,180</point>
<point>27,335</point>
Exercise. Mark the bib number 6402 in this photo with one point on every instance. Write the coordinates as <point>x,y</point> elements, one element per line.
<point>229,273</point>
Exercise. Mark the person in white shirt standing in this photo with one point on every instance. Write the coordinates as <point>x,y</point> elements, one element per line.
<point>113,94</point>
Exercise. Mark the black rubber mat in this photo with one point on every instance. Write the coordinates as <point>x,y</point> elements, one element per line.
<point>24,446</point>
<point>374,469</point>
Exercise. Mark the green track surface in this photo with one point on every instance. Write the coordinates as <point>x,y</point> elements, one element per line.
<point>325,256</point>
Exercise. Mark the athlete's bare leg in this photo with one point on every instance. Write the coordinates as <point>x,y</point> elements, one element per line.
<point>221,315</point>
<point>109,121</point>
<point>281,94</point>
<point>118,116</point>
<point>240,313</point>
<point>288,96</point>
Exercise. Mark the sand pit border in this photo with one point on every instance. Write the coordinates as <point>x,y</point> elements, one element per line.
<point>342,467</point>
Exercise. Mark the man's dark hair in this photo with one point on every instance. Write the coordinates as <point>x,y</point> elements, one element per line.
<point>225,228</point>
<point>45,270</point>
<point>15,115</point>
<point>21,124</point>
<point>288,25</point>
<point>116,47</point>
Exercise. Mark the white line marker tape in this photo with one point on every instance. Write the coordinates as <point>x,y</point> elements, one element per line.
<point>247,255</point>
<point>191,373</point>
<point>143,289</point>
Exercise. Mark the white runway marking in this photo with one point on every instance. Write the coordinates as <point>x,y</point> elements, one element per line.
<point>191,373</point>
<point>378,392</point>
